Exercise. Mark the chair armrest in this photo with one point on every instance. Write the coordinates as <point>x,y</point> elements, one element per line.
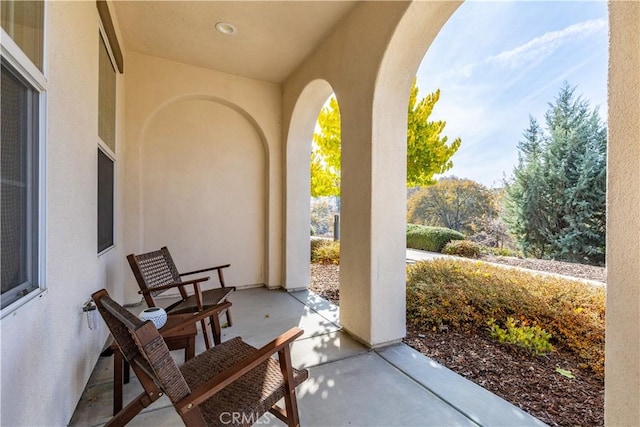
<point>223,379</point>
<point>218,267</point>
<point>198,317</point>
<point>173,285</point>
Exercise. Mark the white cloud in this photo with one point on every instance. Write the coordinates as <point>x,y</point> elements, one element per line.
<point>535,50</point>
<point>546,44</point>
<point>490,85</point>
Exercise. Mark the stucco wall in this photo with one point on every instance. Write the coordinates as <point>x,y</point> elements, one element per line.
<point>48,352</point>
<point>370,60</point>
<point>622,363</point>
<point>203,170</point>
<point>349,59</point>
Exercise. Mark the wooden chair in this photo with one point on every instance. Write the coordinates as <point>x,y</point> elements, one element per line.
<point>232,383</point>
<point>156,272</point>
<point>175,338</point>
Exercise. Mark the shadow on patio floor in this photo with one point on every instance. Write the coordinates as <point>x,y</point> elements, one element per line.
<point>348,384</point>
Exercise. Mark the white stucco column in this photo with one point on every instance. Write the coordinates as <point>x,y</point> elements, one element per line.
<point>372,247</point>
<point>370,60</point>
<point>622,365</point>
<point>374,154</point>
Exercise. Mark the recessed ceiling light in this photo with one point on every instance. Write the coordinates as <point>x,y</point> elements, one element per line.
<point>226,28</point>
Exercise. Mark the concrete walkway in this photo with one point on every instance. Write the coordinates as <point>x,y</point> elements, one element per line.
<point>348,385</point>
<point>415,255</point>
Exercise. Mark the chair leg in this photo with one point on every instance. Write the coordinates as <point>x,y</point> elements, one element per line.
<point>228,312</point>
<point>205,333</point>
<point>216,329</point>
<point>117,381</point>
<point>131,410</point>
<point>221,279</point>
<point>290,401</point>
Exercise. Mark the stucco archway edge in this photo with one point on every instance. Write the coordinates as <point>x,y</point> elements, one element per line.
<point>414,33</point>
<point>202,97</point>
<point>297,192</point>
<point>371,72</point>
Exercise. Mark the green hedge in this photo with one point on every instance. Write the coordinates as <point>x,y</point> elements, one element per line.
<point>428,238</point>
<point>465,248</point>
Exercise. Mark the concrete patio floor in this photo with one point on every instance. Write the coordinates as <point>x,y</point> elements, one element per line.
<point>348,385</point>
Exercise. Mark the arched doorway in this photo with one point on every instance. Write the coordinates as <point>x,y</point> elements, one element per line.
<point>297,211</point>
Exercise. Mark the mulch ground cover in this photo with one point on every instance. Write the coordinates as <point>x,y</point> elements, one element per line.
<point>529,382</point>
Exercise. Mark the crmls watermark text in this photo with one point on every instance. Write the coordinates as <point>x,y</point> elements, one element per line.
<point>227,418</point>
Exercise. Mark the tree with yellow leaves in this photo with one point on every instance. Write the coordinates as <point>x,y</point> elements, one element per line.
<point>428,153</point>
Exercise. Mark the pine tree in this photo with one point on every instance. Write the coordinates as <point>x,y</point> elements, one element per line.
<point>525,198</point>
<point>555,204</point>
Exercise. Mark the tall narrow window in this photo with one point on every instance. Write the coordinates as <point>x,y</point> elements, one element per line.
<point>107,133</point>
<point>19,196</point>
<point>22,85</point>
<point>23,21</point>
<point>105,201</point>
<point>106,98</point>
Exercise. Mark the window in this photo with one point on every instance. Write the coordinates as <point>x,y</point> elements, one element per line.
<point>105,201</point>
<point>23,22</point>
<point>106,153</point>
<point>21,150</point>
<point>106,98</point>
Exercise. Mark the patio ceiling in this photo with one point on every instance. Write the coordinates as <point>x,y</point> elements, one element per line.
<point>272,38</point>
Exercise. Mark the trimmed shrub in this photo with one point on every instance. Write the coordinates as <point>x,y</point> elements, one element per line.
<point>503,252</point>
<point>467,295</point>
<point>465,248</point>
<point>413,227</point>
<point>327,252</point>
<point>428,238</point>
<point>532,338</point>
<point>316,242</point>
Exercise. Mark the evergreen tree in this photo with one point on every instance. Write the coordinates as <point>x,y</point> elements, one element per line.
<point>525,199</point>
<point>555,204</point>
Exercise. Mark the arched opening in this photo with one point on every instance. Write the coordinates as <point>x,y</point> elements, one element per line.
<point>200,160</point>
<point>526,52</point>
<point>298,192</point>
<point>494,84</point>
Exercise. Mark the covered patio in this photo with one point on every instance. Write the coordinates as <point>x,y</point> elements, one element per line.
<point>207,152</point>
<point>349,384</point>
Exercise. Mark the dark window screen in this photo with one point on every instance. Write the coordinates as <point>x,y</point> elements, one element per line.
<point>18,194</point>
<point>105,201</point>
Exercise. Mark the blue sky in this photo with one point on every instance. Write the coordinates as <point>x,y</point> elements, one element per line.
<point>497,63</point>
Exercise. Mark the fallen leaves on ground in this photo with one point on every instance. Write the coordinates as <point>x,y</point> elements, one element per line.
<point>537,385</point>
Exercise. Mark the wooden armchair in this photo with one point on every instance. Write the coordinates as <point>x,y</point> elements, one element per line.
<point>232,383</point>
<point>156,272</point>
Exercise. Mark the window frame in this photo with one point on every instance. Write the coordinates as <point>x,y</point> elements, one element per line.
<point>104,147</point>
<point>11,53</point>
<point>109,156</point>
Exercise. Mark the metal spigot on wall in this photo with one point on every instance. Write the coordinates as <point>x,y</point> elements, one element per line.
<point>90,308</point>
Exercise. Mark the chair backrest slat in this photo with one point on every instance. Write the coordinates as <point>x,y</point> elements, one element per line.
<point>165,369</point>
<point>117,318</point>
<point>137,338</point>
<point>153,269</point>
